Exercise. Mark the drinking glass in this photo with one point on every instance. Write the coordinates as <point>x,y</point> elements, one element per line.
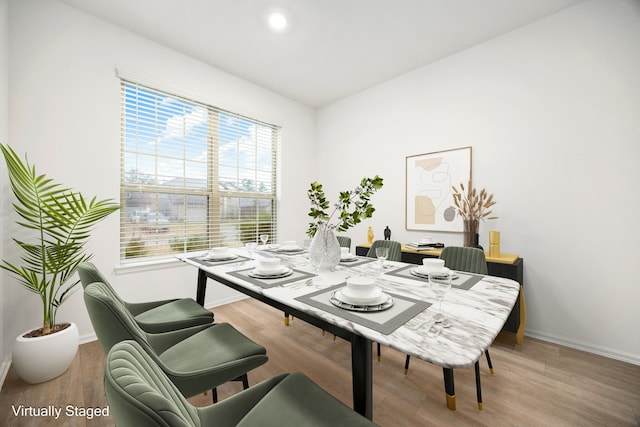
<point>440,284</point>
<point>251,246</point>
<point>264,238</point>
<point>382,254</point>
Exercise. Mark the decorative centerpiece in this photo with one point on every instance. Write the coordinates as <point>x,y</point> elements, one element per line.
<point>351,209</point>
<point>472,206</point>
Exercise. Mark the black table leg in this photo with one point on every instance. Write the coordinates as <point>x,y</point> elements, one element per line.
<point>202,287</point>
<point>449,388</point>
<point>362,369</point>
<point>478,384</point>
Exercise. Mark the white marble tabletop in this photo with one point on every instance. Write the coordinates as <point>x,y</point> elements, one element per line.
<point>477,315</point>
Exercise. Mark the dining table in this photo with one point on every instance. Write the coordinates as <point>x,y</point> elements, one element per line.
<point>476,308</point>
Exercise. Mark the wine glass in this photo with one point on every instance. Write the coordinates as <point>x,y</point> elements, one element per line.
<point>382,254</point>
<point>440,283</point>
<point>251,246</point>
<point>264,238</point>
<point>315,259</point>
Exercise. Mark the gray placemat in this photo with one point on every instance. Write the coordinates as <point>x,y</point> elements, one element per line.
<point>359,261</point>
<point>385,322</point>
<point>212,263</point>
<point>297,275</point>
<point>464,281</point>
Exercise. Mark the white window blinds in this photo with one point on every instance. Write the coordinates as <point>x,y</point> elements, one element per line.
<point>192,176</point>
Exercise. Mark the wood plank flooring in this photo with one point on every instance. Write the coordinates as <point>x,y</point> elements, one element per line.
<point>535,384</point>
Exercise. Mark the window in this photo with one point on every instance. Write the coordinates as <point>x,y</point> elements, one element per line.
<point>192,176</point>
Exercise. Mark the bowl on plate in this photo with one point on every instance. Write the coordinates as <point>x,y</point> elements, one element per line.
<point>361,286</point>
<point>217,253</point>
<point>361,290</point>
<point>290,245</point>
<point>345,254</point>
<point>431,265</point>
<point>269,266</point>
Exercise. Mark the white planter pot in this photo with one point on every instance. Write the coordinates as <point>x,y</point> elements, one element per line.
<point>41,359</point>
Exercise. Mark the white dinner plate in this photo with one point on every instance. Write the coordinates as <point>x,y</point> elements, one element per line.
<point>416,272</point>
<point>377,297</point>
<point>290,250</point>
<point>385,304</point>
<point>283,273</point>
<point>271,271</point>
<point>226,257</point>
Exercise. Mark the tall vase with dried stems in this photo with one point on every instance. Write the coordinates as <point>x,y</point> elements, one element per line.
<point>472,206</point>
<point>470,231</point>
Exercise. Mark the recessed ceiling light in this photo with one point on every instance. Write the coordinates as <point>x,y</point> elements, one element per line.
<point>277,21</point>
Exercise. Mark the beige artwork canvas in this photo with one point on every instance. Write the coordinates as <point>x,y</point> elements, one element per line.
<point>429,178</point>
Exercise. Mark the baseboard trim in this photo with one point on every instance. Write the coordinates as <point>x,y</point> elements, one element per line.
<point>601,351</point>
<point>225,301</point>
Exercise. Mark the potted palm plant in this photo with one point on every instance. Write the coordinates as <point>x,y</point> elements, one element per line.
<point>57,223</point>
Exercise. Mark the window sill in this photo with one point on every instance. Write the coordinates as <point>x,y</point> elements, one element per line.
<point>135,267</point>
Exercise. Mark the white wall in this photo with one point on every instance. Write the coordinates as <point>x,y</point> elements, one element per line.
<point>4,135</point>
<point>64,101</point>
<point>551,111</point>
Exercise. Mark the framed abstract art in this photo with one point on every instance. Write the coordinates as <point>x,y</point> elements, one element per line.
<point>429,197</point>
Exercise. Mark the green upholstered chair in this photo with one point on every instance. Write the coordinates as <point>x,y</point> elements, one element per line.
<point>471,260</point>
<point>344,241</point>
<point>153,316</point>
<point>140,394</point>
<point>196,359</point>
<point>395,249</point>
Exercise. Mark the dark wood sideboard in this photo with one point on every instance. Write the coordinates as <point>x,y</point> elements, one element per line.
<point>507,265</point>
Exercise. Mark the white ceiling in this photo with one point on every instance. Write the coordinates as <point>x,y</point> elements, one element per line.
<point>332,48</point>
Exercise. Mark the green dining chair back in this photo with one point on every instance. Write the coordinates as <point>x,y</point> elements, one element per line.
<point>196,359</point>
<point>344,241</point>
<point>153,316</point>
<point>462,258</point>
<point>395,249</point>
<point>140,394</point>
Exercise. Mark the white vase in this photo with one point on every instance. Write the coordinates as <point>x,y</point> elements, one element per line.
<point>324,250</point>
<point>41,359</point>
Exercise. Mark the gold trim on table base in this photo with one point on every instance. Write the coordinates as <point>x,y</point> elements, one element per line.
<point>523,317</point>
<point>451,401</point>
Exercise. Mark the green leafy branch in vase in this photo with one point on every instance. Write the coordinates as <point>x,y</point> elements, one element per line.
<point>352,206</point>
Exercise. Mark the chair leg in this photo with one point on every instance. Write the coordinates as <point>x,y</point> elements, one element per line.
<point>378,353</point>
<point>245,385</point>
<point>486,353</point>
<point>478,385</point>
<point>406,365</point>
<point>245,381</point>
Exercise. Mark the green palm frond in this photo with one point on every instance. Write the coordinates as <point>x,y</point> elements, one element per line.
<point>63,221</point>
